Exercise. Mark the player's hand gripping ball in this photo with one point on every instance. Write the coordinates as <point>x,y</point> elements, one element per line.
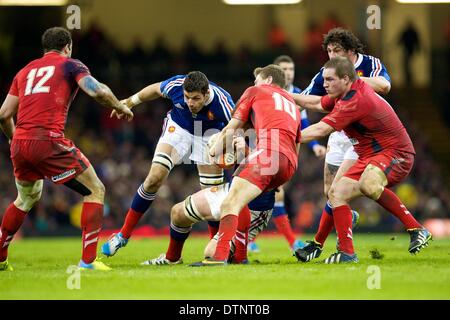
<point>225,159</point>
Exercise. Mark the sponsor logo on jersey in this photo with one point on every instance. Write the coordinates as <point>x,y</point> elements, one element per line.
<point>171,129</point>
<point>63,175</point>
<point>360,73</point>
<point>214,189</point>
<point>210,115</point>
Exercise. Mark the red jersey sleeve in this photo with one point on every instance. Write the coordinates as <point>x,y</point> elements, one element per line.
<point>77,69</point>
<point>14,90</point>
<point>327,103</point>
<point>242,111</point>
<point>344,113</point>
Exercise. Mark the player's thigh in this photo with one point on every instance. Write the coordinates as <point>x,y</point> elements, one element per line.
<point>343,191</point>
<point>28,194</point>
<point>210,175</point>
<point>240,194</point>
<point>205,204</point>
<point>164,159</point>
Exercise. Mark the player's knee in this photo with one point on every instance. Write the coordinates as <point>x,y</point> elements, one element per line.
<point>177,214</point>
<point>371,188</point>
<point>334,194</point>
<point>28,196</point>
<point>279,195</point>
<point>153,182</point>
<point>97,190</point>
<point>326,189</point>
<point>230,206</point>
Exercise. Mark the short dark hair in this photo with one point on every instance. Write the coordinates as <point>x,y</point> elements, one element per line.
<point>196,81</point>
<point>342,66</point>
<point>274,71</point>
<point>343,37</point>
<point>283,58</point>
<point>55,38</point>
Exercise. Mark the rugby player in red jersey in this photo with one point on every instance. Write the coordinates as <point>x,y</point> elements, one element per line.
<point>40,95</point>
<point>386,153</point>
<point>276,120</point>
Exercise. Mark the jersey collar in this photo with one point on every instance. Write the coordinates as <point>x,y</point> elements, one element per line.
<point>359,60</point>
<point>211,95</point>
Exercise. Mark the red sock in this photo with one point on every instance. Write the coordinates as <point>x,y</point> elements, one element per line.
<point>284,227</point>
<point>131,221</point>
<point>343,223</point>
<point>91,224</point>
<point>393,204</point>
<point>212,230</point>
<point>178,236</point>
<point>325,226</point>
<point>12,220</point>
<point>227,230</point>
<point>241,237</point>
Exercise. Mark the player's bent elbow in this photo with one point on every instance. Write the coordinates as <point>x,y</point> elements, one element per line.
<point>386,88</point>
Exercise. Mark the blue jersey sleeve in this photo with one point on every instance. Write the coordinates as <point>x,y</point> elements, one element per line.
<point>316,86</point>
<point>379,69</point>
<point>384,73</point>
<point>167,86</point>
<point>297,90</point>
<point>223,104</point>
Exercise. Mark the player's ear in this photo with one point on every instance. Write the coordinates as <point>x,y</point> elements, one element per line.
<point>67,50</point>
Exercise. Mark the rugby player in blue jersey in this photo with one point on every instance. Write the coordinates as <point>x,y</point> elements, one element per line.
<point>200,109</point>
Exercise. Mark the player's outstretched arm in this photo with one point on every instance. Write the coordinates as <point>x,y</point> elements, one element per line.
<point>316,131</point>
<point>7,112</point>
<point>379,84</point>
<point>309,102</point>
<point>149,93</point>
<point>103,95</point>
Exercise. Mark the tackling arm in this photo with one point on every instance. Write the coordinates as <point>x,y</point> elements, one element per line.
<point>379,84</point>
<point>103,95</point>
<point>309,102</point>
<point>316,131</point>
<point>7,112</point>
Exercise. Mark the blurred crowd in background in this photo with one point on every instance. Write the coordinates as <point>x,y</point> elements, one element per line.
<point>121,152</point>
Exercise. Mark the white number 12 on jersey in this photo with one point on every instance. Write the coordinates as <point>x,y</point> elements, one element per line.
<point>44,72</point>
<point>283,103</point>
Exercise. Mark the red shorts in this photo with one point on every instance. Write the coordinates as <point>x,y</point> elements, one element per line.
<point>396,165</point>
<point>266,169</point>
<point>59,160</point>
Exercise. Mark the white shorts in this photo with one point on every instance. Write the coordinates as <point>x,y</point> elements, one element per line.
<point>339,149</point>
<point>184,142</point>
<point>215,197</point>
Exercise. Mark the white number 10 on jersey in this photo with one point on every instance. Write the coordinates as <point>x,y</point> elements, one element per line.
<point>281,103</point>
<point>44,72</point>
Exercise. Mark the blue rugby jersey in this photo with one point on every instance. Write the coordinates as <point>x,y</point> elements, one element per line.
<point>214,115</point>
<point>365,66</point>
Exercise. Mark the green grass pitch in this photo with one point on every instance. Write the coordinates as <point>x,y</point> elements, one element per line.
<point>40,272</point>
